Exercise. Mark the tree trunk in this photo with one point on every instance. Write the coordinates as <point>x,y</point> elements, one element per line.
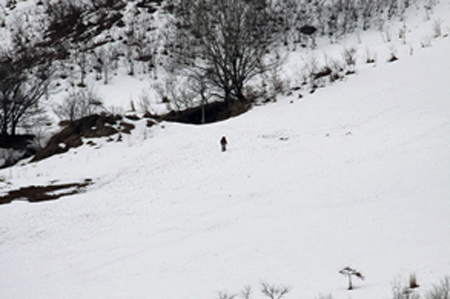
<point>203,109</point>
<point>240,95</point>
<point>227,94</point>
<point>13,131</point>
<point>4,128</point>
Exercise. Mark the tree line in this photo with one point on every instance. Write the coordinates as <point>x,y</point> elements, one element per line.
<point>216,46</point>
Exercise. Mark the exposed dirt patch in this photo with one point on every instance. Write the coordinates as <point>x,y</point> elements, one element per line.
<point>126,127</point>
<point>44,193</point>
<point>213,112</point>
<point>70,137</point>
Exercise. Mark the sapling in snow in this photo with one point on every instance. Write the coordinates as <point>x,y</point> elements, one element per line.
<point>349,272</point>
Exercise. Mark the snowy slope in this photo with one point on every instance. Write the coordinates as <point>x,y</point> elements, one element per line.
<point>355,174</point>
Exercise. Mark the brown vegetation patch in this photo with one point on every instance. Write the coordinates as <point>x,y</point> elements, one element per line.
<point>126,127</point>
<point>326,71</point>
<point>70,137</point>
<point>213,112</point>
<point>132,117</point>
<point>44,193</point>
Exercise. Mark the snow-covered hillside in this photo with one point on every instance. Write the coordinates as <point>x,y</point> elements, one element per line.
<point>356,174</point>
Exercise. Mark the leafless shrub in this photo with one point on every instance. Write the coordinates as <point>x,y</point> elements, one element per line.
<point>425,42</point>
<point>311,65</point>
<point>411,49</point>
<point>402,34</point>
<point>336,67</point>
<point>273,84</point>
<point>174,94</point>
<point>392,53</point>
<point>279,85</point>
<point>246,292</point>
<point>349,55</point>
<point>115,110</point>
<point>397,288</point>
<point>428,5</point>
<point>386,35</point>
<point>370,57</point>
<point>402,291</point>
<point>144,101</point>
<point>78,104</point>
<point>254,94</point>
<point>437,28</point>
<point>310,68</point>
<point>41,136</point>
<point>274,292</point>
<point>440,291</point>
<point>225,296</point>
<point>38,126</point>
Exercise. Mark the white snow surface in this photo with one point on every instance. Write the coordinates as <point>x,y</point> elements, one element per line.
<point>356,174</point>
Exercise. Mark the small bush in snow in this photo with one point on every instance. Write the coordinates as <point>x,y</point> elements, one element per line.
<point>397,289</point>
<point>273,84</point>
<point>349,55</point>
<point>337,68</point>
<point>437,28</point>
<point>393,53</point>
<point>386,35</point>
<point>370,57</point>
<point>425,42</point>
<point>402,291</point>
<point>440,291</point>
<point>144,101</point>
<point>274,292</point>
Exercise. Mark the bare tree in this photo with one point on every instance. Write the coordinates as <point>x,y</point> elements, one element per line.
<point>20,93</point>
<point>25,71</point>
<point>175,94</point>
<point>225,42</point>
<point>78,104</point>
<point>81,55</point>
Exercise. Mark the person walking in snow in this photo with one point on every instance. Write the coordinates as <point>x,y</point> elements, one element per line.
<point>223,143</point>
